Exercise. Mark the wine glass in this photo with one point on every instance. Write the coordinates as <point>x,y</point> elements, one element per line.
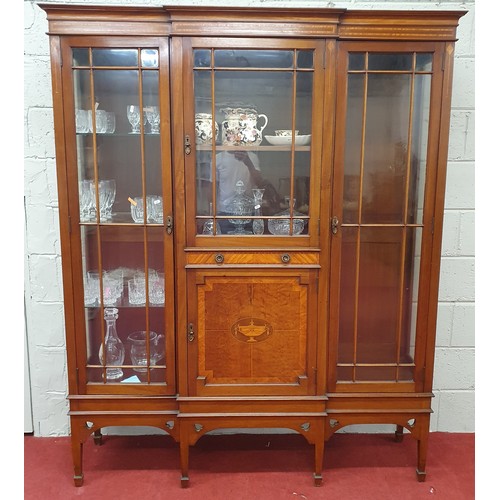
<point>134,118</point>
<point>109,188</point>
<point>153,117</point>
<point>85,200</point>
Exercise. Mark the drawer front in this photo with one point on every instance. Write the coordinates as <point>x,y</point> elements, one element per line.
<point>241,259</point>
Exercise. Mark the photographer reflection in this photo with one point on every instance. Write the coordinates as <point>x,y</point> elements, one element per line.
<point>233,167</point>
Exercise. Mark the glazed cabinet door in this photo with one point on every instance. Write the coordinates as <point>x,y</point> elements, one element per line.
<point>250,165</point>
<point>119,194</point>
<point>383,209</point>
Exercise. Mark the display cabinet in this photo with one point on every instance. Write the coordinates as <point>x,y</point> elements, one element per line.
<point>251,208</point>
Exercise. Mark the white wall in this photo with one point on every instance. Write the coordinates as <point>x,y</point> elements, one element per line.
<point>454,375</point>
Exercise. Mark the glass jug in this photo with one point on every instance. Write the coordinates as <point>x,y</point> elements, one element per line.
<point>139,351</point>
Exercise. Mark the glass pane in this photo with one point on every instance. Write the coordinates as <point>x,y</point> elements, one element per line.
<point>305,59</point>
<point>419,141</point>
<point>347,304</point>
<point>81,57</point>
<point>115,57</point>
<point>424,62</point>
<point>378,323</point>
<point>357,61</point>
<point>413,247</point>
<point>149,58</point>
<point>304,108</point>
<point>126,272</point>
<point>378,294</point>
<point>123,265</point>
<point>386,148</point>
<point>254,58</point>
<point>390,62</point>
<point>202,58</point>
<point>353,147</point>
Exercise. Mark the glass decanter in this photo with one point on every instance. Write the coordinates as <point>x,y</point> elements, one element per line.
<point>258,224</point>
<point>281,227</point>
<point>239,205</point>
<point>113,347</point>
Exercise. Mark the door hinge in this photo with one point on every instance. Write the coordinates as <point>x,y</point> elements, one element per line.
<point>335,224</point>
<point>432,226</point>
<point>69,224</point>
<point>190,332</point>
<point>187,145</point>
<point>169,224</point>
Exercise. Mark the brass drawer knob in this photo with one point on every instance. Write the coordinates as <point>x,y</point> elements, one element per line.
<point>285,258</point>
<point>219,258</point>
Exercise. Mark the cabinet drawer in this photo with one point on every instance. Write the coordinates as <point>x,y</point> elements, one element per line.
<point>252,258</point>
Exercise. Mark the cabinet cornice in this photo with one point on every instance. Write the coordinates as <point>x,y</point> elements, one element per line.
<point>251,22</point>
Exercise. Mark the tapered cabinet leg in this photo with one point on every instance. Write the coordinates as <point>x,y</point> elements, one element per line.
<point>422,455</point>
<point>77,451</point>
<point>184,456</point>
<point>319,449</point>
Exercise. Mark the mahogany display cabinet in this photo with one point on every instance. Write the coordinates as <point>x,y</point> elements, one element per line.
<point>251,207</point>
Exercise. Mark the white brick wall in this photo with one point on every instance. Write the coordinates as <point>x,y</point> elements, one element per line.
<point>454,375</point>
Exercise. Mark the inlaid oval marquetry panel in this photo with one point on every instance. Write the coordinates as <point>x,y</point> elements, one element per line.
<point>251,330</point>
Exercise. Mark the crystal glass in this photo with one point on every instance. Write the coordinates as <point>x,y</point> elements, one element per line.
<point>81,121</point>
<point>110,122</point>
<point>240,205</point>
<point>156,211</point>
<point>101,121</point>
<point>281,227</point>
<point>137,291</point>
<point>112,287</point>
<point>208,226</point>
<point>153,118</point>
<point>258,224</point>
<point>109,189</point>
<point>91,289</point>
<point>107,194</point>
<point>112,352</point>
<point>157,288</point>
<point>85,200</point>
<point>134,118</point>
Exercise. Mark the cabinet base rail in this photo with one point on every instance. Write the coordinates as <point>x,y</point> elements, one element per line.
<point>186,429</point>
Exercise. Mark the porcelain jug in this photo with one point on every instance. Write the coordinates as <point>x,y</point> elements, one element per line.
<point>240,127</point>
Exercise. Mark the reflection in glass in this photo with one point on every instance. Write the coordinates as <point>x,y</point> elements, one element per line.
<point>424,62</point>
<point>81,57</point>
<point>202,58</point>
<point>390,62</point>
<point>353,147</point>
<point>114,57</point>
<point>253,58</point>
<point>357,61</point>
<point>149,58</point>
<point>305,59</point>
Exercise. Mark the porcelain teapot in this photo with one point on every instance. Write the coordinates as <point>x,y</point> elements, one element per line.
<point>240,127</point>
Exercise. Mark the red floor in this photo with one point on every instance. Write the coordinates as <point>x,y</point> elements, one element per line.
<point>356,466</point>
